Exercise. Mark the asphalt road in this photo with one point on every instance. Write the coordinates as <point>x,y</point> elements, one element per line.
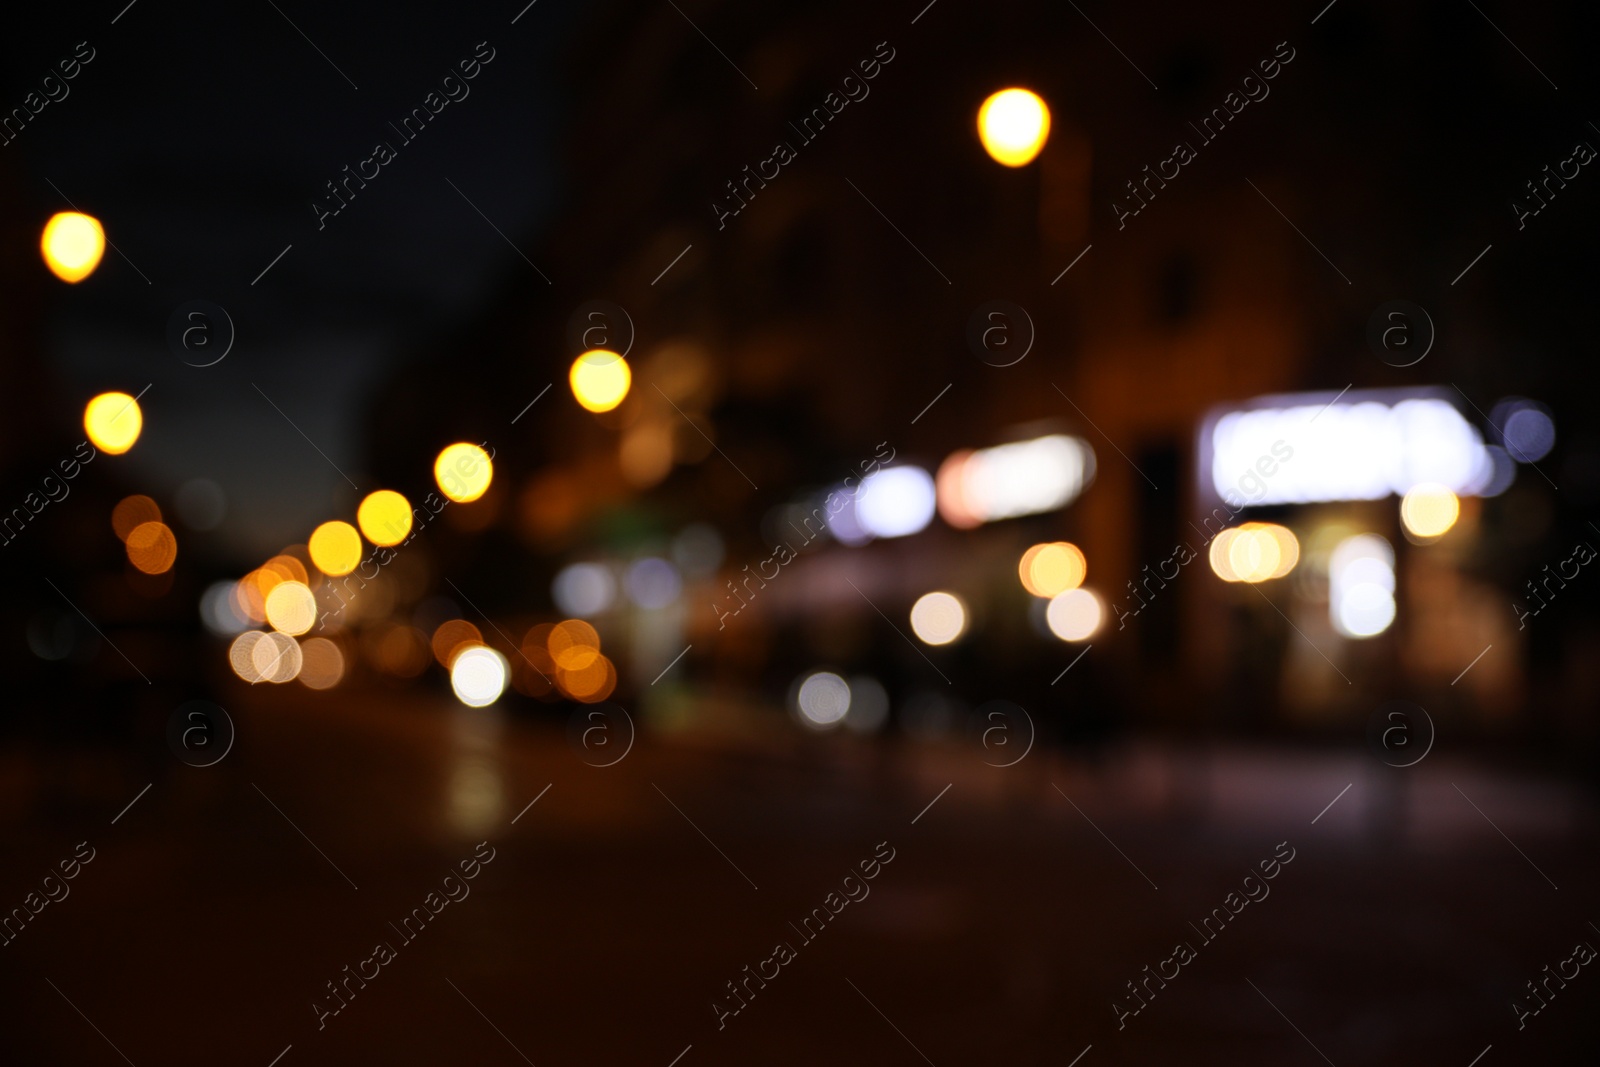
<point>1017,906</point>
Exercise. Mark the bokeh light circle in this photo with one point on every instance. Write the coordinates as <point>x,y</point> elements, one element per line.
<point>152,547</point>
<point>600,379</point>
<point>276,657</point>
<point>335,548</point>
<point>1049,570</point>
<point>452,637</point>
<point>113,422</point>
<point>291,608</point>
<point>463,472</point>
<point>133,511</point>
<point>583,589</point>
<point>72,244</point>
<point>1075,615</point>
<point>1013,125</point>
<point>1530,434</point>
<point>823,700</point>
<point>321,663</point>
<point>478,676</point>
<point>938,618</point>
<point>384,517</point>
<point>1428,511</point>
<point>573,644</point>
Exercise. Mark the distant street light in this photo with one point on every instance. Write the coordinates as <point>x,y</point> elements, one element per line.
<point>1013,125</point>
<point>72,244</point>
<point>600,379</point>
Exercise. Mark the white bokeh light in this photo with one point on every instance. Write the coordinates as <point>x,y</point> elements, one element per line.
<point>478,675</point>
<point>1075,615</point>
<point>938,618</point>
<point>823,700</point>
<point>1361,586</point>
<point>583,589</point>
<point>895,502</point>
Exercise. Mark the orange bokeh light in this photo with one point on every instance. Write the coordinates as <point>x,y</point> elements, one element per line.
<point>133,511</point>
<point>573,645</point>
<point>152,547</point>
<point>451,637</point>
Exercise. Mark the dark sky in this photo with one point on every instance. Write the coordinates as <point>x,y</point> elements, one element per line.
<point>201,141</point>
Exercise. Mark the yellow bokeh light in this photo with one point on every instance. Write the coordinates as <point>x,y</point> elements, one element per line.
<point>1253,556</point>
<point>152,547</point>
<point>1052,569</point>
<point>335,548</point>
<point>113,422</point>
<point>1429,510</point>
<point>600,379</point>
<point>72,244</point>
<point>384,517</point>
<point>463,472</point>
<point>1254,552</point>
<point>291,608</point>
<point>1013,125</point>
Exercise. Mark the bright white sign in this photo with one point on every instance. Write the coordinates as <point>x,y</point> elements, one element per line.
<point>1364,446</point>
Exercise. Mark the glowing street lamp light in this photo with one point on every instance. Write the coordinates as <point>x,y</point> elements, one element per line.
<point>600,379</point>
<point>72,244</point>
<point>1013,125</point>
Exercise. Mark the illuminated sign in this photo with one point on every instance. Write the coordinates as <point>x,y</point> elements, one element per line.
<point>1313,447</point>
<point>1023,478</point>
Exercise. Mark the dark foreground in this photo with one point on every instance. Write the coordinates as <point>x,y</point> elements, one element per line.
<point>613,913</point>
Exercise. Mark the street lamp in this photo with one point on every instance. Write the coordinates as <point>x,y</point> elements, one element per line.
<point>1013,125</point>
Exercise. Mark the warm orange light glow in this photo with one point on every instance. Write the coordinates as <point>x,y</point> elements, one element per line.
<point>384,517</point>
<point>591,683</point>
<point>573,645</point>
<point>452,636</point>
<point>600,379</point>
<point>152,547</point>
<point>291,608</point>
<point>463,472</point>
<point>536,648</point>
<point>132,511</point>
<point>950,491</point>
<point>401,650</point>
<point>1254,552</point>
<point>1051,569</point>
<point>335,548</point>
<point>1013,125</point>
<point>113,422</point>
<point>322,664</point>
<point>288,569</point>
<point>1428,511</point>
<point>72,244</point>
